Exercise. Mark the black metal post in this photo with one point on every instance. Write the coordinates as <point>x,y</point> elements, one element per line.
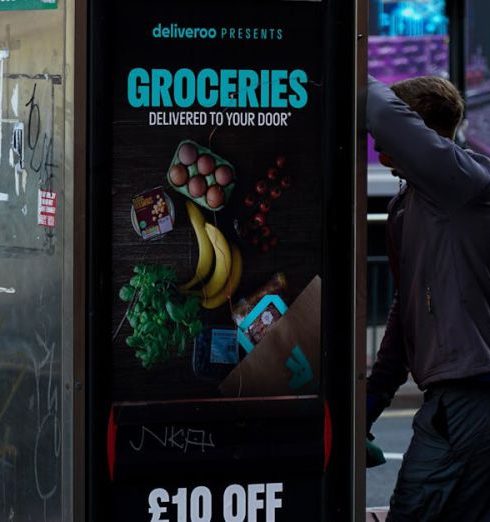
<point>340,360</point>
<point>98,360</point>
<point>456,11</point>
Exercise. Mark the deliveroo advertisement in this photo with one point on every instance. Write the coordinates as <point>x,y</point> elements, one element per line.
<point>217,178</point>
<point>217,200</point>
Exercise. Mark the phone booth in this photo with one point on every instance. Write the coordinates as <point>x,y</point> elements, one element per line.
<point>182,254</point>
<point>222,261</point>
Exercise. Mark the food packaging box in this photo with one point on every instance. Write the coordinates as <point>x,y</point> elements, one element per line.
<point>192,161</point>
<point>287,359</point>
<point>152,213</point>
<point>215,353</point>
<point>269,315</point>
<point>266,319</point>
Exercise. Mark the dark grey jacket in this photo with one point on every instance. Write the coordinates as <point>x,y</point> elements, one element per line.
<point>439,230</point>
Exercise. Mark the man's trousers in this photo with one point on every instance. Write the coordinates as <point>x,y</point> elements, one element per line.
<point>445,474</point>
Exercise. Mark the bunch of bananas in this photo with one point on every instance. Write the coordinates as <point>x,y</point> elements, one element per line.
<point>224,280</point>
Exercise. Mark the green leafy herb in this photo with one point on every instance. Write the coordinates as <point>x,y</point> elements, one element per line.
<point>126,293</point>
<point>163,319</point>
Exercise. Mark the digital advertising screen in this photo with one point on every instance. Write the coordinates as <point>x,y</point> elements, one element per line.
<point>217,201</point>
<point>217,254</point>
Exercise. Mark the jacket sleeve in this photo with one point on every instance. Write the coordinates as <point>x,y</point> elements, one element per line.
<point>390,370</point>
<point>437,167</point>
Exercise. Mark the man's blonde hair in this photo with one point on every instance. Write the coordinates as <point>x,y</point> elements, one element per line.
<point>435,99</point>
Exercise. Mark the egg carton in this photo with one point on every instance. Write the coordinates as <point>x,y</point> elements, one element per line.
<point>191,166</point>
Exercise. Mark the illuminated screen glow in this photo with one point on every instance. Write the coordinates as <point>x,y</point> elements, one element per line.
<point>409,18</point>
<point>407,39</point>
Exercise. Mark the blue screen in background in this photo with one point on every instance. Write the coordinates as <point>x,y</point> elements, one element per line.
<point>407,38</point>
<point>408,18</point>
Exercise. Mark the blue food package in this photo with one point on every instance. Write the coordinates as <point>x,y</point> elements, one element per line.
<point>215,352</point>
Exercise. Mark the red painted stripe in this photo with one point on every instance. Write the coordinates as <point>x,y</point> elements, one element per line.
<point>327,436</point>
<point>111,444</point>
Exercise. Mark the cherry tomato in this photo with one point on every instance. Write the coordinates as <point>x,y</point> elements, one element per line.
<point>265,231</point>
<point>259,219</point>
<point>272,173</point>
<point>261,187</point>
<point>265,206</point>
<point>286,182</point>
<point>276,192</point>
<point>273,241</point>
<point>280,162</point>
<point>249,200</point>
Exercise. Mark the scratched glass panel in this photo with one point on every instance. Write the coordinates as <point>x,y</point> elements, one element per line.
<point>32,129</point>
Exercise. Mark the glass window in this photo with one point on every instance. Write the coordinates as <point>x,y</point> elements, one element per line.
<point>407,38</point>
<point>478,75</point>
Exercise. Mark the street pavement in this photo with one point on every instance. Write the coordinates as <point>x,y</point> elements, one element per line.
<point>392,431</point>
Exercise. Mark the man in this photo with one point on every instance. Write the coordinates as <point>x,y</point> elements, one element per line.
<point>439,323</point>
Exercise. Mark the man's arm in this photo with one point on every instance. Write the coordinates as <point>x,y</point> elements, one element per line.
<point>390,370</point>
<point>436,166</point>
